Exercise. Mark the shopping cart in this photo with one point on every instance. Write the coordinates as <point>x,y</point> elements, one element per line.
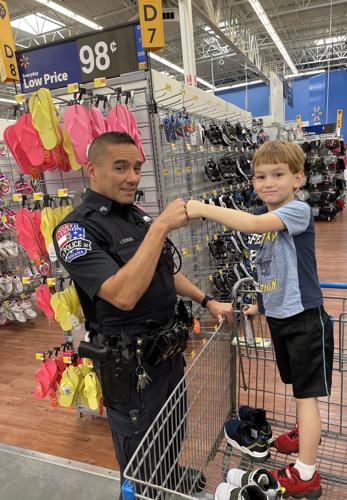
<point>228,371</point>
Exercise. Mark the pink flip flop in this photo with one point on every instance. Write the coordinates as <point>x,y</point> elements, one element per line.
<point>77,125</point>
<point>117,122</point>
<point>43,299</point>
<point>29,140</point>
<point>46,379</point>
<point>12,142</point>
<point>97,122</point>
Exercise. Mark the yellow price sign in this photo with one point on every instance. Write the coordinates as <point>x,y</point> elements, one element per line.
<point>67,360</point>
<point>173,147</point>
<point>207,238</point>
<point>72,88</point>
<point>63,193</point>
<point>210,277</point>
<point>221,148</point>
<point>201,149</point>
<point>188,169</point>
<point>19,98</point>
<point>214,193</point>
<point>168,87</point>
<point>178,171</point>
<point>39,356</point>
<point>26,280</point>
<point>99,82</point>
<point>188,146</point>
<point>50,281</point>
<point>17,197</point>
<point>212,149</point>
<point>165,173</point>
<point>215,237</point>
<point>198,248</point>
<point>38,196</point>
<point>223,189</point>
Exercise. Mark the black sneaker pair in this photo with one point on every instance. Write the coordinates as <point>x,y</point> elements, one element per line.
<point>250,433</point>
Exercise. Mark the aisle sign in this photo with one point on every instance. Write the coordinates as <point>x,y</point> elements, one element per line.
<point>299,121</point>
<point>105,54</point>
<point>339,118</point>
<point>152,24</point>
<point>8,63</point>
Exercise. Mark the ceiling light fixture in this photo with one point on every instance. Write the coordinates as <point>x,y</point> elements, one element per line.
<point>306,73</point>
<point>271,30</point>
<point>238,85</point>
<point>68,13</point>
<point>10,101</point>
<point>169,64</point>
<point>36,24</point>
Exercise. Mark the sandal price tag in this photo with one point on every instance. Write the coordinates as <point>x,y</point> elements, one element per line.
<point>26,280</point>
<point>63,193</point>
<point>19,98</point>
<point>99,82</point>
<point>188,146</point>
<point>201,149</point>
<point>178,171</point>
<point>165,173</point>
<point>188,170</point>
<point>67,360</point>
<point>39,356</point>
<point>173,147</point>
<point>50,281</point>
<point>72,88</point>
<point>212,149</point>
<point>17,197</point>
<point>38,196</point>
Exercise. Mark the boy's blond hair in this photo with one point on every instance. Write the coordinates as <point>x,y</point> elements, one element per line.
<point>274,152</point>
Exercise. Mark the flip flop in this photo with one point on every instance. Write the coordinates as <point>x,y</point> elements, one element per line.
<point>68,148</point>
<point>29,140</point>
<point>68,387</point>
<point>42,120</point>
<point>77,125</point>
<point>92,390</point>
<point>97,122</point>
<point>117,122</point>
<point>12,142</point>
<point>61,312</point>
<point>46,377</point>
<point>48,223</point>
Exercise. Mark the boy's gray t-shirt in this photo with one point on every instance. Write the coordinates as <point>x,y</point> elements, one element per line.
<point>286,264</point>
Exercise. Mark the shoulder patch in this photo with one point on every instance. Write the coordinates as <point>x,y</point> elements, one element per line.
<point>72,242</point>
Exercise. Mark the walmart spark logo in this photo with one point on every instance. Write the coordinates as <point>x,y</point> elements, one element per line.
<point>24,61</point>
<point>317,114</point>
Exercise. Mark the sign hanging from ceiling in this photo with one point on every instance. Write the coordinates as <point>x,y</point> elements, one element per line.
<point>152,24</point>
<point>8,63</point>
<point>104,54</point>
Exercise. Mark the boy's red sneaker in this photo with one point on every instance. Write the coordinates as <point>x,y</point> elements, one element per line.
<point>295,487</point>
<point>289,442</point>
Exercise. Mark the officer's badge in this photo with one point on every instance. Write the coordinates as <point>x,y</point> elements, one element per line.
<point>71,241</point>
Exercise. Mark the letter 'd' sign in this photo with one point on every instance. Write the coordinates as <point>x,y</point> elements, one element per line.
<point>8,63</point>
<point>152,25</point>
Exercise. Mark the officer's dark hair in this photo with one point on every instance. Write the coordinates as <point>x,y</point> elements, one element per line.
<point>98,146</point>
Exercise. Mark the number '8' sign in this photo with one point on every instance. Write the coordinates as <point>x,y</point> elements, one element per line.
<point>94,58</point>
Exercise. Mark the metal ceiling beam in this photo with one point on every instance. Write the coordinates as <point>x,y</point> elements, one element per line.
<point>204,17</point>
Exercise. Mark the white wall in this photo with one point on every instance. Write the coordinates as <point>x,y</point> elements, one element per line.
<point>276,99</point>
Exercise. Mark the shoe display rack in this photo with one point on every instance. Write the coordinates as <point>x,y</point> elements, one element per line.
<point>17,301</point>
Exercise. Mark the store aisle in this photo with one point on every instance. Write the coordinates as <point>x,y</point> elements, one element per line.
<point>41,477</point>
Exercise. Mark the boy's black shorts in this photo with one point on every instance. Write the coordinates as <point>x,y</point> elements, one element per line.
<point>304,347</point>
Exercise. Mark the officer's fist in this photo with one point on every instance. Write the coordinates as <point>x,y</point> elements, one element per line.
<point>174,215</point>
<point>195,209</point>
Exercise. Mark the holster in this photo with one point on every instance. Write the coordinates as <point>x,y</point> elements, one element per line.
<point>113,369</point>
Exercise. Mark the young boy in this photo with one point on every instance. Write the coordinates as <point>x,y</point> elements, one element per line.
<point>290,298</point>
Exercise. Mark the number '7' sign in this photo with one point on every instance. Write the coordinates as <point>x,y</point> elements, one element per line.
<point>151,22</point>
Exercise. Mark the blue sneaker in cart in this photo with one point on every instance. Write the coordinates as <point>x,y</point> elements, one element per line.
<point>244,437</point>
<point>257,417</point>
<point>226,491</point>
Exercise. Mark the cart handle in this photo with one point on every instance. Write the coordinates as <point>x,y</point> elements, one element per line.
<point>340,286</point>
<point>237,285</point>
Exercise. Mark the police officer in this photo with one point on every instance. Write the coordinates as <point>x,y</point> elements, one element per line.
<point>124,273</point>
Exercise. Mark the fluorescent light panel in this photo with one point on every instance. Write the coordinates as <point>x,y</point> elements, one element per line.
<point>271,30</point>
<point>68,13</point>
<point>306,73</point>
<point>10,101</point>
<point>169,64</point>
<point>36,24</point>
<point>238,85</point>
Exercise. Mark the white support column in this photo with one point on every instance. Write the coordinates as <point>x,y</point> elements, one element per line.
<point>187,40</point>
<point>276,99</point>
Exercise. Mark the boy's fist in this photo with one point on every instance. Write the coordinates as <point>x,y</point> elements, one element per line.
<point>195,209</point>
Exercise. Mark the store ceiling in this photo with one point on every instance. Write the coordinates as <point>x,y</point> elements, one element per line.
<point>313,38</point>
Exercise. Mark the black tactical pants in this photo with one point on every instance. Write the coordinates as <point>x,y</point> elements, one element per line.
<point>127,433</point>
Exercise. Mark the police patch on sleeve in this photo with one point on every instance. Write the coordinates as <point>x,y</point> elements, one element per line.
<point>72,242</point>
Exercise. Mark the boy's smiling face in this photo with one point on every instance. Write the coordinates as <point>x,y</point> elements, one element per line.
<point>275,184</point>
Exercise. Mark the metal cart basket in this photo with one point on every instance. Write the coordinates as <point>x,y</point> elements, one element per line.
<point>227,371</point>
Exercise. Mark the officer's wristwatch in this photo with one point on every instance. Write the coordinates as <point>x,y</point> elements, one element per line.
<point>206,299</point>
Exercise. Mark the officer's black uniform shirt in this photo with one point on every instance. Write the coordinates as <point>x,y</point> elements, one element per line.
<point>92,243</point>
